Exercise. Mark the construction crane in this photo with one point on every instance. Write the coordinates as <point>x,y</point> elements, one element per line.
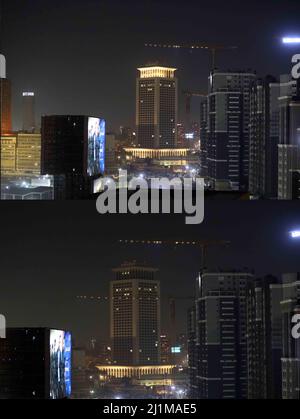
<point>203,245</point>
<point>201,46</point>
<point>188,102</point>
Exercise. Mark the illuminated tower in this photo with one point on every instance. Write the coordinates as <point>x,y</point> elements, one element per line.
<point>28,112</point>
<point>5,99</point>
<point>156,107</point>
<point>135,315</point>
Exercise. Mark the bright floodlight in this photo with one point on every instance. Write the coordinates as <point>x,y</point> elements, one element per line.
<point>291,40</point>
<point>295,234</point>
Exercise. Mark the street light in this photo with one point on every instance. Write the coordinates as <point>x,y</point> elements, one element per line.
<point>291,40</point>
<point>295,234</point>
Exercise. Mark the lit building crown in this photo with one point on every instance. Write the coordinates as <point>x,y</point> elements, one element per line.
<point>157,71</point>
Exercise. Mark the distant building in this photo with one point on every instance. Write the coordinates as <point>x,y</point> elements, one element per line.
<point>264,338</point>
<point>156,107</point>
<point>135,316</point>
<point>291,347</point>
<point>296,184</point>
<point>8,154</point>
<point>5,100</point>
<point>203,138</point>
<point>288,149</point>
<point>264,138</point>
<point>165,349</point>
<point>111,154</point>
<point>21,154</point>
<point>28,158</point>
<point>228,117</point>
<point>28,108</point>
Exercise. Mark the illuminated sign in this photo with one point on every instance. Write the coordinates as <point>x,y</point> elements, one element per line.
<point>26,94</point>
<point>176,350</point>
<point>96,146</point>
<point>60,364</point>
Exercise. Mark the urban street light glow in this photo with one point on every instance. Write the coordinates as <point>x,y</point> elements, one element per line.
<point>291,40</point>
<point>295,234</point>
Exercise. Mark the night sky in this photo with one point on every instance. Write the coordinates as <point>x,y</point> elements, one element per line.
<point>52,252</point>
<point>81,56</point>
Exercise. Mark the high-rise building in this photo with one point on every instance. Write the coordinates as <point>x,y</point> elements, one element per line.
<point>264,138</point>
<point>5,100</point>
<point>165,349</point>
<point>288,151</point>
<point>264,338</point>
<point>228,129</point>
<point>28,112</point>
<point>296,184</point>
<point>291,347</point>
<point>135,315</point>
<point>219,364</point>
<point>193,352</point>
<point>73,151</point>
<point>203,137</point>
<point>29,364</point>
<point>289,141</point>
<point>156,107</point>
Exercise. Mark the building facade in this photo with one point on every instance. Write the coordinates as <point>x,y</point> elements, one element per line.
<point>219,363</point>
<point>156,107</point>
<point>291,347</point>
<point>28,108</point>
<point>264,338</point>
<point>264,138</point>
<point>228,115</point>
<point>135,316</point>
<point>289,124</point>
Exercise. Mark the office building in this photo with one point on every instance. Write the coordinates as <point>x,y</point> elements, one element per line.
<point>264,138</point>
<point>135,316</point>
<point>73,151</point>
<point>28,158</point>
<point>289,134</point>
<point>28,108</point>
<point>291,347</point>
<point>228,117</point>
<point>21,154</point>
<point>296,184</point>
<point>193,355</point>
<point>28,364</point>
<point>264,338</point>
<point>8,154</point>
<point>203,138</point>
<point>165,349</point>
<point>5,100</point>
<point>217,337</point>
<point>156,107</point>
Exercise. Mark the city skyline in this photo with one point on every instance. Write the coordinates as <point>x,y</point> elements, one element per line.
<point>86,246</point>
<point>93,94</point>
